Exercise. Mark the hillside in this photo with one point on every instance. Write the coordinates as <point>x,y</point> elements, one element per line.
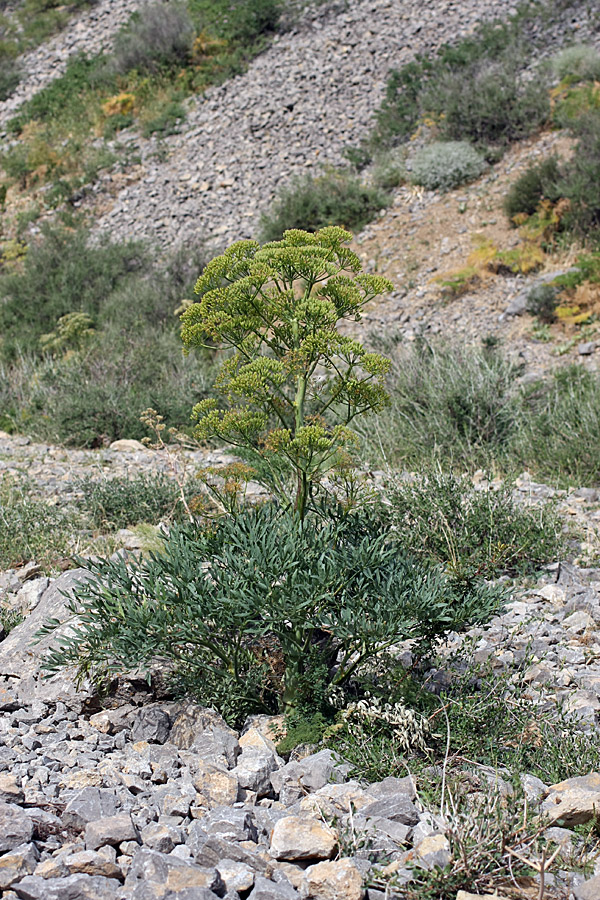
<point>336,635</point>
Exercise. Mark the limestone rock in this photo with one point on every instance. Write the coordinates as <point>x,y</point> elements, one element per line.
<point>89,805</point>
<point>112,830</point>
<point>15,827</point>
<point>217,785</point>
<point>17,864</point>
<point>295,838</point>
<point>434,851</point>
<point>573,802</point>
<point>332,880</point>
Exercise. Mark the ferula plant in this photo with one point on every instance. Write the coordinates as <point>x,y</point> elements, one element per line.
<point>292,383</point>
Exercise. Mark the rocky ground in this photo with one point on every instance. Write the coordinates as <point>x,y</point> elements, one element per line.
<point>161,799</point>
<point>155,798</point>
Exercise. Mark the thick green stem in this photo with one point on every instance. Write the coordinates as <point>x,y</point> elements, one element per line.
<point>301,383</point>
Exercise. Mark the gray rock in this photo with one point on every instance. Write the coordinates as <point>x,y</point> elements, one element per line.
<point>90,805</point>
<point>395,806</point>
<point>74,887</point>
<point>16,827</point>
<point>163,838</point>
<point>587,348</point>
<point>534,788</point>
<point>253,771</point>
<point>308,774</point>
<point>112,830</point>
<point>16,864</point>
<point>268,890</point>
<point>589,890</point>
<point>153,725</point>
<point>230,824</point>
<point>148,866</point>
<point>21,657</point>
<point>296,838</point>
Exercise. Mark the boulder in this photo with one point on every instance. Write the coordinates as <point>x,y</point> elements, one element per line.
<point>16,827</point>
<point>294,838</point>
<point>574,801</point>
<point>21,656</point>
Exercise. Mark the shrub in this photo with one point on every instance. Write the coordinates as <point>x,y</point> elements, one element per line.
<point>580,184</point>
<point>249,19</point>
<point>542,301</point>
<point>578,63</point>
<point>537,183</point>
<point>119,502</point>
<point>62,273</point>
<point>446,165</point>
<point>91,398</point>
<point>485,531</point>
<point>294,383</point>
<point>314,201</point>
<point>9,77</point>
<point>161,35</point>
<point>30,528</point>
<point>488,104</point>
<point>258,613</point>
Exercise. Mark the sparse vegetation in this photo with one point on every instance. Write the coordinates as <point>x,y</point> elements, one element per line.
<point>483,531</point>
<point>465,410</point>
<point>120,502</point>
<point>31,528</point>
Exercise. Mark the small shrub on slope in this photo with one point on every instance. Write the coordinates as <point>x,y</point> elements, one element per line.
<point>446,165</point>
<point>490,105</point>
<point>312,202</point>
<point>160,36</point>
<point>537,183</point>
<point>578,63</point>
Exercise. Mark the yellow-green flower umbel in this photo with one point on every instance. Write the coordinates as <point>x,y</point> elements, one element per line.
<point>292,384</point>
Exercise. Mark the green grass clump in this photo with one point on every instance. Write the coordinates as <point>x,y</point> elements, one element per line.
<point>537,183</point>
<point>315,201</point>
<point>487,532</point>
<point>448,405</point>
<point>31,528</point>
<point>119,502</point>
<point>445,165</point>
<point>461,410</point>
<point>560,429</point>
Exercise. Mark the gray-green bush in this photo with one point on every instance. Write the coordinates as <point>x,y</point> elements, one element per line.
<point>258,612</point>
<point>445,165</point>
<point>160,35</point>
